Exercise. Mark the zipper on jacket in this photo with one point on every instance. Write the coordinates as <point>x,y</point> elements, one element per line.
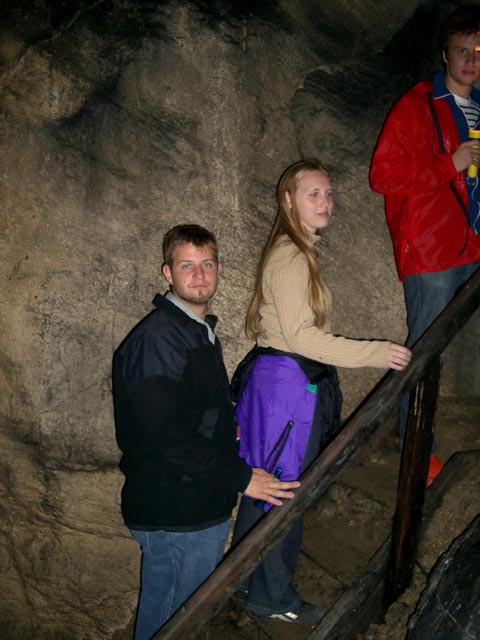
<point>278,447</point>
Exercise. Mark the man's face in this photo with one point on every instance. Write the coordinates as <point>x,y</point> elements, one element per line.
<point>193,276</point>
<point>463,63</point>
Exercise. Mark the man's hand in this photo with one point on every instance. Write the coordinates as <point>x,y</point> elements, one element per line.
<point>264,486</point>
<point>467,153</point>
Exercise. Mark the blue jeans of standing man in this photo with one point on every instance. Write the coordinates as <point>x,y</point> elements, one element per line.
<point>426,296</point>
<point>174,565</point>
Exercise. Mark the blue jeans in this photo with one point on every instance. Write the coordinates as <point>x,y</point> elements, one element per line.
<point>174,565</point>
<point>426,296</point>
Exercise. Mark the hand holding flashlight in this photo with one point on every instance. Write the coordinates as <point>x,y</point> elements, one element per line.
<point>467,156</point>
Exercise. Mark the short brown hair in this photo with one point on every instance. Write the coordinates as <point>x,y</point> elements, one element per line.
<point>187,234</point>
<point>465,19</point>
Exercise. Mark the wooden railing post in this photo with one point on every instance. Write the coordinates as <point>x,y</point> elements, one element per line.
<point>412,482</point>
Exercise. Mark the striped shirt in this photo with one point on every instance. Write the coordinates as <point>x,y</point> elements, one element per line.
<point>471,110</point>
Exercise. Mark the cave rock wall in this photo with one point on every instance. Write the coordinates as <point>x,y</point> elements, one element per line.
<point>120,120</point>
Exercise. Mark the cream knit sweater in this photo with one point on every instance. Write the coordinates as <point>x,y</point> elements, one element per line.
<point>287,320</point>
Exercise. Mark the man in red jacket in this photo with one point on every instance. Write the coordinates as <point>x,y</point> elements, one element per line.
<point>420,166</point>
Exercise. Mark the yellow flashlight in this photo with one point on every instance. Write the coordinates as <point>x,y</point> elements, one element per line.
<point>472,170</point>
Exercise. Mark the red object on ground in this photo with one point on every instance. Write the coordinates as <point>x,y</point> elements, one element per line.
<point>434,469</point>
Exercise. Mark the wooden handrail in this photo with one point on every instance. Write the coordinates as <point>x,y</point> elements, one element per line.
<point>241,560</point>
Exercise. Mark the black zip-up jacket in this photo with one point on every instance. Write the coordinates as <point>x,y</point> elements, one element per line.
<point>175,425</point>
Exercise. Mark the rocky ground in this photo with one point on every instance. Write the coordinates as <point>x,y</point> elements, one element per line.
<point>349,524</point>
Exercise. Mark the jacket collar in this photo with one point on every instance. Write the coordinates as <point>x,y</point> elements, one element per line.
<point>160,301</point>
<point>440,89</point>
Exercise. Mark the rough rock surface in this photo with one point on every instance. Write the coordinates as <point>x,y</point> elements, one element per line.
<point>120,119</point>
<point>452,518</point>
<point>449,606</point>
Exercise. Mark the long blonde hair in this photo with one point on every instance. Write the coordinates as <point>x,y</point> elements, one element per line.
<point>287,222</point>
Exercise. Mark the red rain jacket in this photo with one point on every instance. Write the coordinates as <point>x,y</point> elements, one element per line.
<point>429,229</point>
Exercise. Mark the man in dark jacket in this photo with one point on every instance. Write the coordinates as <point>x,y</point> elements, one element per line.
<point>176,427</point>
<point>432,199</point>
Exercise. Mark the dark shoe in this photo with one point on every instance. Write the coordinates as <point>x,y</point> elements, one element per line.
<point>434,469</point>
<point>306,613</point>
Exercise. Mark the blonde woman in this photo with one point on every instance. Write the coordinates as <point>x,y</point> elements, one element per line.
<point>287,388</point>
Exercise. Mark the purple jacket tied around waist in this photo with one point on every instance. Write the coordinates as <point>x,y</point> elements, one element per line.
<point>288,410</point>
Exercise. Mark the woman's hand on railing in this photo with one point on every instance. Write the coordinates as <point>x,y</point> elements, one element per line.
<point>264,486</point>
<point>398,356</point>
